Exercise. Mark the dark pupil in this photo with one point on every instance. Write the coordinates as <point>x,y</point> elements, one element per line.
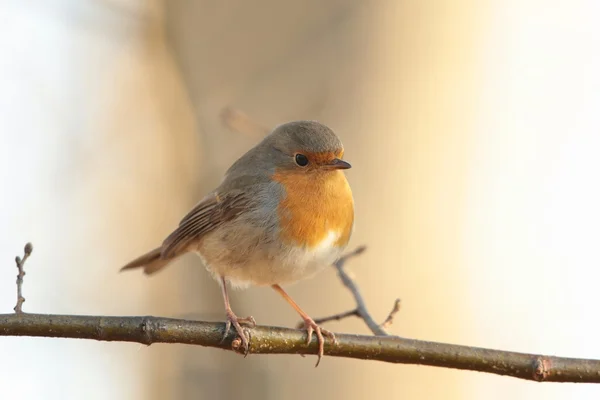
<point>301,160</point>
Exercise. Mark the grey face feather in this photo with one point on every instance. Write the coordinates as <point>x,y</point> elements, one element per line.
<point>309,136</point>
<point>277,149</point>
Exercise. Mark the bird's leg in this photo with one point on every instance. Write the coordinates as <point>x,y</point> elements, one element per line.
<point>309,323</point>
<point>234,320</point>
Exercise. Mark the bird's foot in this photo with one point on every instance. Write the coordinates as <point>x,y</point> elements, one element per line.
<point>237,323</point>
<point>311,326</point>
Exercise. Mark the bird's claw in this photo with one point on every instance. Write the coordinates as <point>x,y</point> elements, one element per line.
<point>311,326</point>
<point>237,323</point>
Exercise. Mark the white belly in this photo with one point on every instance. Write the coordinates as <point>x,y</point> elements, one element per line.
<point>304,262</point>
<point>280,265</point>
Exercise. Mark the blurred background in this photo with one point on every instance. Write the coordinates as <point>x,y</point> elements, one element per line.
<point>472,127</point>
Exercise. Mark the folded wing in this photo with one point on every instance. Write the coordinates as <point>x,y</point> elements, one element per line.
<point>208,214</point>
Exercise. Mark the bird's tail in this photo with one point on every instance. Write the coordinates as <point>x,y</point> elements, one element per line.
<point>151,262</point>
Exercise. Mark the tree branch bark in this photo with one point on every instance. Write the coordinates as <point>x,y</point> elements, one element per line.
<point>275,340</point>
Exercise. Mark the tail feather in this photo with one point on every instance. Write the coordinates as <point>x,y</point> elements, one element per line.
<point>151,262</point>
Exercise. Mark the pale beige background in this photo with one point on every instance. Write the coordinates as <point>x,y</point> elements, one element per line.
<point>472,128</point>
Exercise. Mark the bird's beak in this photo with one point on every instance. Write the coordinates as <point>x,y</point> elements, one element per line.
<point>336,163</point>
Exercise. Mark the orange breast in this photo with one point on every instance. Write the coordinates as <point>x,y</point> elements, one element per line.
<point>315,204</point>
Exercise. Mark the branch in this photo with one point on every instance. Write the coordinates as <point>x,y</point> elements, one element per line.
<point>334,317</point>
<point>274,340</point>
<point>361,309</point>
<point>20,264</point>
<point>389,320</point>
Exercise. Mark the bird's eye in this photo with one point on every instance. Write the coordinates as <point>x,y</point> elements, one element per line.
<point>301,160</point>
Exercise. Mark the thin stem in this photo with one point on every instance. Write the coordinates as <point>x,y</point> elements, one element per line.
<point>390,318</point>
<point>334,317</point>
<point>361,307</point>
<point>20,267</point>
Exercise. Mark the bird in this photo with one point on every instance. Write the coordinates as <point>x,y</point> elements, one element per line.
<point>282,212</point>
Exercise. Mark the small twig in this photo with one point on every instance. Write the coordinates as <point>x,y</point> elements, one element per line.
<point>335,317</point>
<point>390,318</point>
<point>20,264</point>
<point>239,122</point>
<point>361,308</point>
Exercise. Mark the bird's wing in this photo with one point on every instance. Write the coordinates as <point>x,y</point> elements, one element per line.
<point>208,214</point>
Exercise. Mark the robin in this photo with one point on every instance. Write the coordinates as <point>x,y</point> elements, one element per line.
<point>283,211</point>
